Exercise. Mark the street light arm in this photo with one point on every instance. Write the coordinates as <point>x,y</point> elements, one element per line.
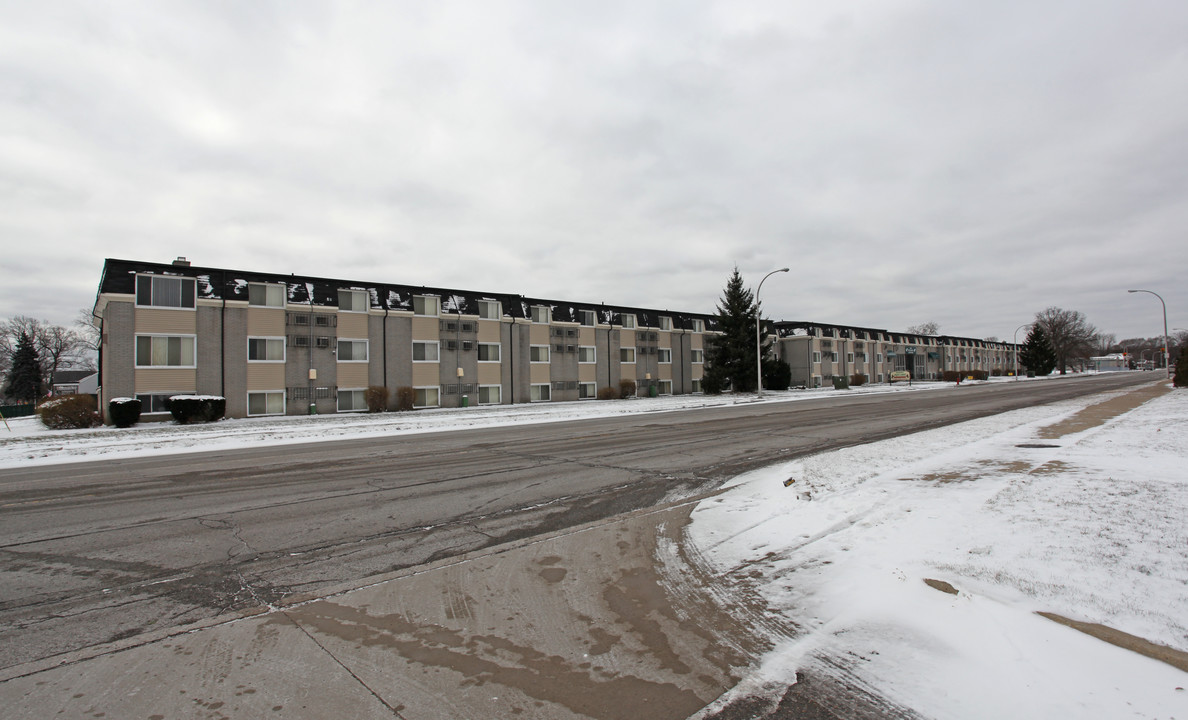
<point>1166,349</point>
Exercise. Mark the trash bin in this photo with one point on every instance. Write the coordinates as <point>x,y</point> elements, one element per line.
<point>313,408</point>
<point>841,383</point>
<point>1030,373</point>
<point>465,401</point>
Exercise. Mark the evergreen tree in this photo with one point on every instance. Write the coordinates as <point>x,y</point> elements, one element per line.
<point>1181,368</point>
<point>730,360</point>
<point>24,377</point>
<point>1037,354</point>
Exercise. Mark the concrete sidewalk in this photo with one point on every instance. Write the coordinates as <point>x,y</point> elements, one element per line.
<point>583,624</point>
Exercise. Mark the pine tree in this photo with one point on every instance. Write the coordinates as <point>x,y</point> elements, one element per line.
<point>730,360</point>
<point>1037,354</point>
<point>1181,368</point>
<point>24,377</point>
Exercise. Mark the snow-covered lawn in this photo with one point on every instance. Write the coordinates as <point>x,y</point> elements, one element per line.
<point>1094,529</point>
<point>27,441</point>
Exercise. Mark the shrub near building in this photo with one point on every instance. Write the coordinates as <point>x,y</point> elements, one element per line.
<point>69,412</point>
<point>124,412</point>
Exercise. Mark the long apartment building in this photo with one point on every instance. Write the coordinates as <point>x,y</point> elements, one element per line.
<point>818,352</point>
<point>285,344</point>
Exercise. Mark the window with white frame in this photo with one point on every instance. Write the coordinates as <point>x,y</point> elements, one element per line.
<point>352,351</point>
<point>156,403</point>
<point>695,385</point>
<point>627,355</point>
<point>264,349</point>
<point>538,354</point>
<point>426,352</point>
<point>696,356</point>
<point>878,357</point>
<point>665,322</point>
<point>426,397</point>
<point>266,403</point>
<point>165,350</point>
<point>352,400</point>
<point>587,391</point>
<point>541,314</point>
<point>627,320</point>
<point>165,292</point>
<point>665,387</point>
<point>587,318</point>
<point>266,294</point>
<point>488,352</point>
<point>816,356</point>
<point>698,325</point>
<point>850,358</point>
<point>833,357</point>
<point>664,356</point>
<point>489,394</point>
<point>587,354</point>
<point>490,309</point>
<point>353,300</point>
<point>425,305</point>
<point>539,393</point>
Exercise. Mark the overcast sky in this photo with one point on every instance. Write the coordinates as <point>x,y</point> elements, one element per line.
<point>964,163</point>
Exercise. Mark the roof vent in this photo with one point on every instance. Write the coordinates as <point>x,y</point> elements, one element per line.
<point>181,262</point>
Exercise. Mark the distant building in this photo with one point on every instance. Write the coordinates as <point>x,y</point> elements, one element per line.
<point>73,382</point>
<point>1110,363</point>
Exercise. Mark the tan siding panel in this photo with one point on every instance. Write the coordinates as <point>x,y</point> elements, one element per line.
<point>588,373</point>
<point>352,375</point>
<point>352,325</point>
<point>150,380</point>
<point>539,373</point>
<point>488,331</point>
<point>664,372</point>
<point>490,373</point>
<point>181,322</point>
<point>425,328</point>
<point>425,374</point>
<point>265,322</point>
<point>538,334</point>
<point>587,335</point>
<point>265,376</point>
<point>695,342</point>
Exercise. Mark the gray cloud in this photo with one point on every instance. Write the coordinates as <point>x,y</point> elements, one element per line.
<point>910,161</point>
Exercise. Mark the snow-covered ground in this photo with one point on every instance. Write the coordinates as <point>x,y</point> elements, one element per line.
<point>1094,529</point>
<point>27,441</point>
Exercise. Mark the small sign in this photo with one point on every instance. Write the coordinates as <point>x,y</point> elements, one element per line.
<point>900,376</point>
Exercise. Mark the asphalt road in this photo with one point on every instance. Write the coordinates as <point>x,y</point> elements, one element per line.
<point>99,551</point>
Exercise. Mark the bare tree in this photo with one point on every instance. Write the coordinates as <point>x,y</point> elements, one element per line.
<point>1069,332</point>
<point>927,328</point>
<point>57,347</point>
<point>1103,343</point>
<point>87,326</point>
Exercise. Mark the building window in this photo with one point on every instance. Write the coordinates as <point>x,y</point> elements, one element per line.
<point>664,356</point>
<point>816,356</point>
<point>266,294</point>
<point>587,354</point>
<point>538,354</point>
<point>541,313</point>
<point>266,403</point>
<point>490,309</point>
<point>352,351</point>
<point>665,322</point>
<point>164,351</point>
<point>353,300</point>
<point>627,355</point>
<point>425,305</point>
<point>850,358</point>
<point>587,391</point>
<point>832,357</point>
<point>696,386</point>
<point>665,387</point>
<point>156,403</point>
<point>488,352</point>
<point>489,394</point>
<point>426,352</point>
<point>539,393</point>
<point>696,356</point>
<point>878,357</point>
<point>698,326</point>
<point>166,292</point>
<point>266,349</point>
<point>426,397</point>
<point>627,321</point>
<point>352,400</point>
<point>587,318</point>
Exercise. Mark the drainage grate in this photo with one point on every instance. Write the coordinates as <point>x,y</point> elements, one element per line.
<point>1036,445</point>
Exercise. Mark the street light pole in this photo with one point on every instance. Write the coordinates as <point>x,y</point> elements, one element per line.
<point>1016,344</point>
<point>758,340</point>
<point>1166,350</point>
